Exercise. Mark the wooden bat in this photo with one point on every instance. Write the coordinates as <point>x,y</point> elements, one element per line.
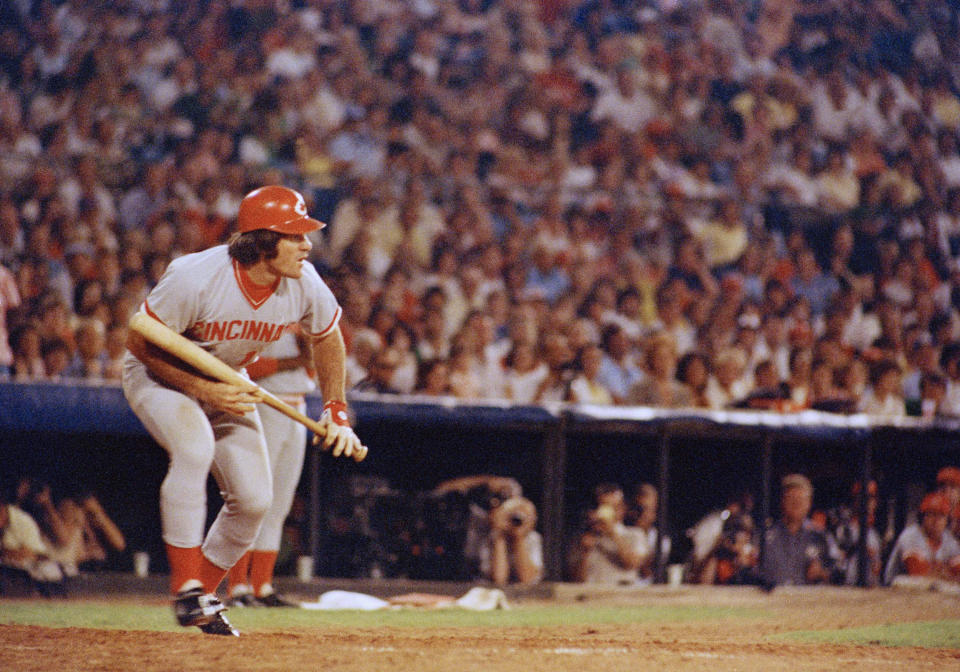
<point>168,340</point>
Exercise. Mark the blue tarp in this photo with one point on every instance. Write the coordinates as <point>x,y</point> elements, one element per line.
<point>84,408</point>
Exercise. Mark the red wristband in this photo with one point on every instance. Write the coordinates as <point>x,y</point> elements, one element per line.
<point>338,412</point>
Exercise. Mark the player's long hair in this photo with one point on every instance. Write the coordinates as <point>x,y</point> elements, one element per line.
<point>250,247</point>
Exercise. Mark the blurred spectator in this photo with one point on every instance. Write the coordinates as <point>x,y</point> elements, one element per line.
<point>524,373</point>
<point>693,370</point>
<point>400,338</point>
<point>717,539</point>
<point>556,352</point>
<point>926,549</point>
<point>844,525</point>
<point>56,358</point>
<point>90,360</point>
<point>78,533</point>
<point>27,354</point>
<point>433,378</point>
<point>642,508</point>
<point>948,485</point>
<point>882,397</point>
<point>660,387</point>
<point>363,347</point>
<point>734,558</point>
<point>379,379</point>
<point>466,381</point>
<point>9,299</point>
<point>115,348</point>
<point>607,551</point>
<point>727,384</point>
<point>585,387</point>
<point>620,367</point>
<point>799,379</point>
<point>22,549</point>
<point>502,543</point>
<point>813,284</point>
<point>796,552</point>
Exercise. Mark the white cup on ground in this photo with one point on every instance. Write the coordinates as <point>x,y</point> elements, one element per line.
<point>304,568</point>
<point>141,564</point>
<point>674,575</point>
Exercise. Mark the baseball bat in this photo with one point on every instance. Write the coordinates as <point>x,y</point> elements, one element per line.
<point>168,340</point>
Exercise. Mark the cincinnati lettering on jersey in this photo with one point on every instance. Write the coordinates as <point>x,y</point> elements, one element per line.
<point>231,330</point>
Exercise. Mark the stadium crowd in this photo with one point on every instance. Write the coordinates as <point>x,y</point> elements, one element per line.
<point>708,203</point>
<point>660,203</point>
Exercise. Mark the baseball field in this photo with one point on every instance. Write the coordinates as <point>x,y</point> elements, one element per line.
<point>688,628</point>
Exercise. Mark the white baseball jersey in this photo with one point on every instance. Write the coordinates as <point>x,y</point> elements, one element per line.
<point>913,542</point>
<point>205,297</point>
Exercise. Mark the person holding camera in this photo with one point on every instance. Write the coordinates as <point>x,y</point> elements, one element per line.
<point>502,545</point>
<point>608,551</point>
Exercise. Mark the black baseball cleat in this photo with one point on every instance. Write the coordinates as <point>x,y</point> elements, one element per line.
<point>274,600</point>
<point>220,626</point>
<point>194,607</point>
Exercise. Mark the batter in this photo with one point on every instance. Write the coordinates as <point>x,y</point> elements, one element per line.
<point>233,300</point>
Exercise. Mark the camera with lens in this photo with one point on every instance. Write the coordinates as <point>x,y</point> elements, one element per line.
<point>515,512</point>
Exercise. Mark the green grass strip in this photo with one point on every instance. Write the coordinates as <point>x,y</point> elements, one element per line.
<point>927,634</point>
<point>133,617</point>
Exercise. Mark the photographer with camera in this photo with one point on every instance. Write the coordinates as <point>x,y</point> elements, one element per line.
<point>608,551</point>
<point>502,544</point>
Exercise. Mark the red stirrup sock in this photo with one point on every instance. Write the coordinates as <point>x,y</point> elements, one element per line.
<point>261,570</point>
<point>239,573</point>
<point>184,566</point>
<point>210,574</point>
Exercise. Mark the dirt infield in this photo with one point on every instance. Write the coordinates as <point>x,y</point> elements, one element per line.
<point>702,645</point>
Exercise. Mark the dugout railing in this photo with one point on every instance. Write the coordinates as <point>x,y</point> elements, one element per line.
<point>557,451</point>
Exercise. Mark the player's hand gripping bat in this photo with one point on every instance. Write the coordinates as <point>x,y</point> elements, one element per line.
<point>169,341</point>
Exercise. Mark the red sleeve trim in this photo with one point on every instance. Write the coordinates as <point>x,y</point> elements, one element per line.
<point>330,327</point>
<point>146,307</point>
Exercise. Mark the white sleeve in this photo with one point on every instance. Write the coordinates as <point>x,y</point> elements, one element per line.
<point>321,310</point>
<point>174,299</point>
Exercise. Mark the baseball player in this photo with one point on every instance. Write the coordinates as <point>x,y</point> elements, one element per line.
<point>232,300</point>
<point>926,549</point>
<point>285,368</point>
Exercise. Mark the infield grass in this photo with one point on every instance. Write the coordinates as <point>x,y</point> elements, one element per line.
<point>125,616</point>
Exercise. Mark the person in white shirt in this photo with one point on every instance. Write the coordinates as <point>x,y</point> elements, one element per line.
<point>607,551</point>
<point>925,550</point>
<point>625,104</point>
<point>883,396</point>
<point>524,373</point>
<point>586,388</point>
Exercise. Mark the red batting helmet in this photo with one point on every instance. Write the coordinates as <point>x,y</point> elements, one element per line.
<point>275,208</point>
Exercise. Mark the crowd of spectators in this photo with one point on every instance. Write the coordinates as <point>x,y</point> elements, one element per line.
<point>707,203</point>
